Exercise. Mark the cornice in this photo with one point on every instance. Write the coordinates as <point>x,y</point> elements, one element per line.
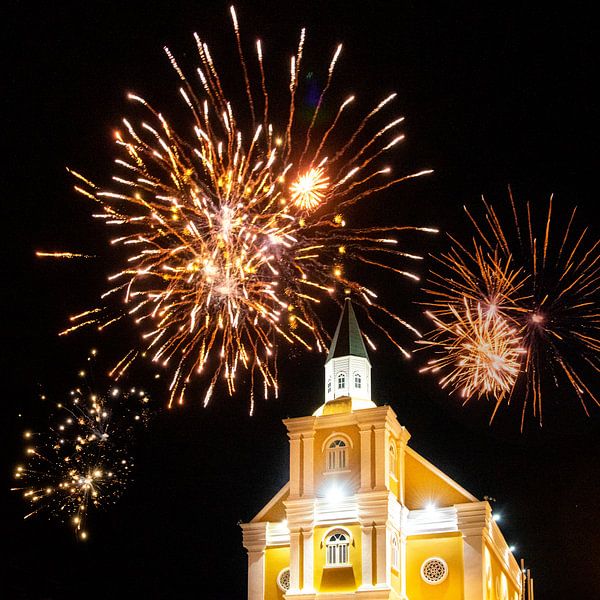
<point>254,536</point>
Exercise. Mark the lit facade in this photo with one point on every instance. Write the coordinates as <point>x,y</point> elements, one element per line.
<point>364,515</point>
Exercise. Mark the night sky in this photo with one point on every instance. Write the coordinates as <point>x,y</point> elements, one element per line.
<point>492,96</point>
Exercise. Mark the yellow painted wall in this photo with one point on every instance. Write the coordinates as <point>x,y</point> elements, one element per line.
<point>276,559</point>
<point>423,486</point>
<point>421,547</point>
<point>337,579</point>
<point>498,573</point>
<point>350,482</point>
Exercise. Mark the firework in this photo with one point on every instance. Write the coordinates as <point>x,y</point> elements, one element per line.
<point>236,230</point>
<point>83,461</point>
<point>480,352</point>
<point>544,287</point>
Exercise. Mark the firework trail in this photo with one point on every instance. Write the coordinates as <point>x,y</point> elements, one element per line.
<point>542,281</point>
<point>83,461</point>
<point>236,230</point>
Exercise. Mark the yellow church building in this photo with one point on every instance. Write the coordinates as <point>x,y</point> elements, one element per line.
<point>364,516</point>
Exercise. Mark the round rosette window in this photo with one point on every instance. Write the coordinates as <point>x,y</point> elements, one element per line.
<point>434,570</point>
<point>283,579</point>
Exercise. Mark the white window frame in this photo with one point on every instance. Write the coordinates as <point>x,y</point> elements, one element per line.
<point>336,457</point>
<point>329,386</point>
<point>357,381</point>
<point>341,381</point>
<point>337,552</point>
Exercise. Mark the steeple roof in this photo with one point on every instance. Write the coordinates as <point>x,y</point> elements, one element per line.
<point>347,340</point>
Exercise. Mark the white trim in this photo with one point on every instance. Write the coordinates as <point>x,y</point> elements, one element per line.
<point>337,472</point>
<point>338,548</point>
<point>337,528</point>
<point>337,435</point>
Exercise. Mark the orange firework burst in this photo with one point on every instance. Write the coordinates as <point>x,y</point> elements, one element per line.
<point>236,230</point>
<point>309,190</point>
<point>544,287</point>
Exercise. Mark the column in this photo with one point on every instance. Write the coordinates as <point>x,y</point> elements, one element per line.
<point>254,539</point>
<point>367,556</point>
<point>381,458</point>
<point>383,559</point>
<point>401,471</point>
<point>365,457</point>
<point>308,562</point>
<point>256,575</point>
<point>473,519</point>
<point>295,474</point>
<point>308,443</point>
<point>295,562</point>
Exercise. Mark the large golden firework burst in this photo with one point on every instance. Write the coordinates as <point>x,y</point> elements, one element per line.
<point>237,229</point>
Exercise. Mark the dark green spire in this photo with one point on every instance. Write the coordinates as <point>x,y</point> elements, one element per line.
<point>347,340</point>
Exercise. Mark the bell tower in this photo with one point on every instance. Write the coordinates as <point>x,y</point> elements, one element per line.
<point>347,368</point>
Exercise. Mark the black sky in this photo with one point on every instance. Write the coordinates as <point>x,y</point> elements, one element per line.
<point>493,94</point>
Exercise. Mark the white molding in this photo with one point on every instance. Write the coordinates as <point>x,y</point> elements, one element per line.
<point>278,534</point>
<point>325,473</point>
<point>438,520</point>
<point>254,536</point>
<point>342,510</point>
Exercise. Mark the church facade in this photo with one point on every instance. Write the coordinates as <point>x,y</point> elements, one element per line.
<point>365,516</point>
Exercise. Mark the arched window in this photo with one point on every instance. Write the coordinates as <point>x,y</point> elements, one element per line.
<point>329,385</point>
<point>395,553</point>
<point>393,460</point>
<point>357,381</point>
<point>336,455</point>
<point>341,381</point>
<point>338,549</point>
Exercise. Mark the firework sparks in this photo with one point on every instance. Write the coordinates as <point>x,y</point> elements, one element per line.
<point>544,287</point>
<point>237,232</point>
<point>83,461</point>
<point>309,190</point>
<point>480,352</point>
<point>41,254</point>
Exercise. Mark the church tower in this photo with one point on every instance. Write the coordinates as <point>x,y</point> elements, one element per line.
<point>364,515</point>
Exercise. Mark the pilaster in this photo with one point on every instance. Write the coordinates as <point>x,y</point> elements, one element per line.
<point>254,539</point>
<point>365,457</point>
<point>383,556</point>
<point>295,551</point>
<point>473,522</point>
<point>300,513</point>
<point>308,445</point>
<point>308,562</point>
<point>381,457</point>
<point>295,463</point>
